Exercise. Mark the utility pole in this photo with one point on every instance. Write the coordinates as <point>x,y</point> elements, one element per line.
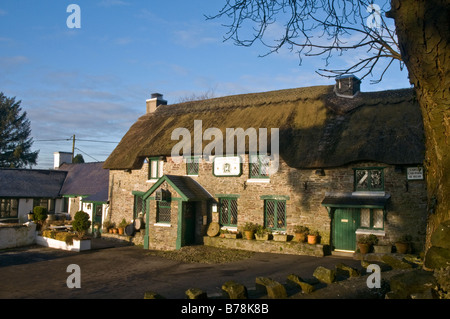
<point>73,147</point>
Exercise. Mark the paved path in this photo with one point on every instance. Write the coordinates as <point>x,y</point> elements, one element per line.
<point>128,272</point>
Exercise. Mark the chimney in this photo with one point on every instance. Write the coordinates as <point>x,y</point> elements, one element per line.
<point>154,102</point>
<point>61,157</point>
<point>347,86</point>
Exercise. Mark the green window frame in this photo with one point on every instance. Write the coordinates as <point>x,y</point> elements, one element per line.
<point>153,168</point>
<point>228,211</point>
<point>65,205</point>
<point>9,208</point>
<point>369,179</point>
<point>372,218</point>
<point>192,165</point>
<point>259,166</point>
<point>275,214</point>
<point>163,212</point>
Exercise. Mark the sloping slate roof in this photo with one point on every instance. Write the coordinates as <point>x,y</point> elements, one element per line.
<point>84,179</point>
<point>29,183</point>
<point>189,187</point>
<point>101,196</point>
<point>316,127</point>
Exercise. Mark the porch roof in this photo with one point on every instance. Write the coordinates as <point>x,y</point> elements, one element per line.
<point>186,187</point>
<point>352,200</point>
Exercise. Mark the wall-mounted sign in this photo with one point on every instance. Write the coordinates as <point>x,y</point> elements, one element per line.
<point>413,173</point>
<point>227,166</point>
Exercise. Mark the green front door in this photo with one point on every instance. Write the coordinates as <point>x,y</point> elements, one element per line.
<point>188,223</point>
<point>345,223</point>
<point>97,216</point>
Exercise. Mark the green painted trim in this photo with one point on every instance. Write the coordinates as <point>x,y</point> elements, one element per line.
<point>179,224</point>
<point>259,176</point>
<point>355,188</point>
<point>137,193</point>
<point>147,223</point>
<point>159,182</point>
<point>150,160</point>
<point>232,196</point>
<point>352,206</point>
<point>275,197</point>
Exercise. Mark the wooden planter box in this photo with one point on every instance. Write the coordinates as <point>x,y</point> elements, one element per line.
<point>78,245</point>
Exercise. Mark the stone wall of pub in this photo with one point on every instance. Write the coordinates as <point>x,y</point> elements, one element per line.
<point>406,212</point>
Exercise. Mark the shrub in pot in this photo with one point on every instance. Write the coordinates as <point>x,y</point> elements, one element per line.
<point>249,230</point>
<point>81,223</point>
<point>365,243</point>
<point>300,233</point>
<point>122,226</point>
<point>262,233</point>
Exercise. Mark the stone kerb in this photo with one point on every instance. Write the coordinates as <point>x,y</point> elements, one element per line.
<point>268,246</point>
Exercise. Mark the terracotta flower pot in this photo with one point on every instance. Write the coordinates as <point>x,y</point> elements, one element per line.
<point>312,239</point>
<point>249,234</point>
<point>402,248</point>
<point>120,230</point>
<point>300,237</point>
<point>363,248</point>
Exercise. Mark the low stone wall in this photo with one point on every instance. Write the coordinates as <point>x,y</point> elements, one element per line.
<point>269,246</point>
<point>16,235</point>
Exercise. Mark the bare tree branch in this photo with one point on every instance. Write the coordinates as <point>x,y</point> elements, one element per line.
<point>307,24</point>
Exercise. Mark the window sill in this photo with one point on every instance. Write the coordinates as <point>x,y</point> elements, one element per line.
<point>162,225</point>
<point>152,180</point>
<point>375,232</point>
<point>258,180</point>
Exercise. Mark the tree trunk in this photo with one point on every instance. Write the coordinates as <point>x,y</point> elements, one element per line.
<point>423,30</point>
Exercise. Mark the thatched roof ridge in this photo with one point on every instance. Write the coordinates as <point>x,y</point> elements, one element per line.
<point>317,128</point>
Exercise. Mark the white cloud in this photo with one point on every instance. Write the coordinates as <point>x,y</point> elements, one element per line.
<point>111,3</point>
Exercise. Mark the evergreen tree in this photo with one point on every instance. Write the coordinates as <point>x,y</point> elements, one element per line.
<point>15,140</point>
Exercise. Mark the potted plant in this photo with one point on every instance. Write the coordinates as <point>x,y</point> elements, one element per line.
<point>403,244</point>
<point>313,237</point>
<point>249,230</point>
<point>121,227</point>
<point>262,233</point>
<point>279,236</point>
<point>81,223</point>
<point>300,233</point>
<point>365,243</point>
<point>107,225</point>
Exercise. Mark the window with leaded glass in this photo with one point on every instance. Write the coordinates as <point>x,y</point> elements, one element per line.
<point>8,208</point>
<point>259,166</point>
<point>228,211</point>
<point>372,218</point>
<point>369,179</point>
<point>163,212</point>
<point>275,214</point>
<point>139,206</point>
<point>192,166</point>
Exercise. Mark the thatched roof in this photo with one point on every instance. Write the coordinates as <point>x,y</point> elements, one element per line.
<point>316,128</point>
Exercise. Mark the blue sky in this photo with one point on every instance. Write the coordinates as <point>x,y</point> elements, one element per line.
<point>92,82</point>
